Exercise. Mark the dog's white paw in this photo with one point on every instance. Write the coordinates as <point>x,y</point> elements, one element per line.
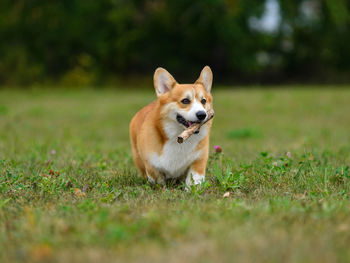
<point>150,179</point>
<point>194,178</point>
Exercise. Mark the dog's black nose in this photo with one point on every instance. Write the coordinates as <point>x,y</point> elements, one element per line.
<point>201,115</point>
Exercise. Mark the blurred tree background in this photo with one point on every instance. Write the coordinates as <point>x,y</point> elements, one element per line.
<point>90,42</point>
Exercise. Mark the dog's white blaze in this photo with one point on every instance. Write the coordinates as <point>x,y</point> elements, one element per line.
<point>194,178</point>
<point>191,114</point>
<point>176,158</point>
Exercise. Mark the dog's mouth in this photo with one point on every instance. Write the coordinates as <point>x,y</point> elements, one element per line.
<point>183,121</point>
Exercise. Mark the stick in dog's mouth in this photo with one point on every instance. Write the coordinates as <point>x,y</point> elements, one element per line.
<point>183,121</point>
<point>193,127</point>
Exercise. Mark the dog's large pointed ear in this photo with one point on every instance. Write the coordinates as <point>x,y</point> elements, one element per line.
<point>163,81</point>
<point>206,78</point>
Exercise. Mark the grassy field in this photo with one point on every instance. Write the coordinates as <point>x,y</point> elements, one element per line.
<point>69,191</point>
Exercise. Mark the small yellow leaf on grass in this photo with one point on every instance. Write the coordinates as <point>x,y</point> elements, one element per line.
<point>226,195</point>
<point>79,193</point>
<point>343,228</point>
<point>41,253</point>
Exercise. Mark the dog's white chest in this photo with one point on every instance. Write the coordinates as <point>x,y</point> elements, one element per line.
<point>176,158</point>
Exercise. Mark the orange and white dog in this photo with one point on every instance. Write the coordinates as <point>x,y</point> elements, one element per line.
<point>155,128</point>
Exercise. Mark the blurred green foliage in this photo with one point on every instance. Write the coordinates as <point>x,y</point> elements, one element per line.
<point>89,42</point>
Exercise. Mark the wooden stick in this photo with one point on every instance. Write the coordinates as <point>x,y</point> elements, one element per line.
<point>193,128</point>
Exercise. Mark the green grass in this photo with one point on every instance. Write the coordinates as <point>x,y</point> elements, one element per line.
<point>69,190</point>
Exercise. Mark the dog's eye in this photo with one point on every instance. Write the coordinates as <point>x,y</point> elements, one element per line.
<point>203,101</point>
<point>185,101</point>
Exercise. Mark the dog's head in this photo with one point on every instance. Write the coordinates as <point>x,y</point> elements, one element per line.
<point>184,103</point>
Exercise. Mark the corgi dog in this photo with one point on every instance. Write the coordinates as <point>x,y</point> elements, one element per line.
<point>155,128</point>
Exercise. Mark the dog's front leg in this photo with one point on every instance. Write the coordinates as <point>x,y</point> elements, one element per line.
<point>196,173</point>
<point>154,176</point>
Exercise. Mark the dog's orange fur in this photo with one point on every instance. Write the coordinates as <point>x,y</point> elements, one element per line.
<point>147,132</point>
